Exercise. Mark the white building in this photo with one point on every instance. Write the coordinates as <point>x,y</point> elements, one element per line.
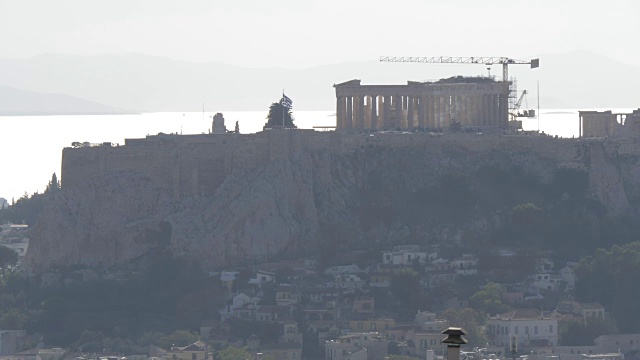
<point>349,347</point>
<point>465,265</point>
<point>524,325</point>
<point>405,255</point>
<point>51,354</point>
<point>545,282</point>
<point>263,276</point>
<point>11,341</point>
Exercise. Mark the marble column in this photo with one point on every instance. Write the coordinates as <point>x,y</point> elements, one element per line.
<point>469,110</point>
<point>495,110</point>
<point>473,118</point>
<point>422,101</point>
<point>447,110</point>
<point>349,118</point>
<point>431,104</point>
<point>453,111</point>
<point>361,112</point>
<point>410,111</point>
<point>502,110</point>
<point>397,102</point>
<point>374,113</point>
<point>387,112</point>
<point>339,110</point>
<point>440,112</point>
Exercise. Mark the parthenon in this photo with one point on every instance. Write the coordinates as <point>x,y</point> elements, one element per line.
<point>473,102</point>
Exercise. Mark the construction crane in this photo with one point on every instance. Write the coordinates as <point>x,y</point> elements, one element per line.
<point>515,111</point>
<point>505,61</point>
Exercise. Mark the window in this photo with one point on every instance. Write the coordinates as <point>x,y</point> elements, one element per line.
<point>194,356</point>
<point>516,330</point>
<point>551,329</point>
<point>526,330</point>
<point>535,329</point>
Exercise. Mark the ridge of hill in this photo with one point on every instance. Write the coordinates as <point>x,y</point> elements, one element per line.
<point>579,79</point>
<point>20,102</point>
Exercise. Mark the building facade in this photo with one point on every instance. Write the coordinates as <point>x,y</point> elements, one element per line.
<point>605,124</point>
<point>472,102</point>
<point>524,326</point>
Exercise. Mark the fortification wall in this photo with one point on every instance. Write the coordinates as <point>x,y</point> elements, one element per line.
<point>198,164</point>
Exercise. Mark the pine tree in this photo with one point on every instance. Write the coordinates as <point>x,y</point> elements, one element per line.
<point>53,185</point>
<point>275,117</point>
<point>237,128</point>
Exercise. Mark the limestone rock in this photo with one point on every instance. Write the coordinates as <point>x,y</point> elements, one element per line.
<point>355,191</point>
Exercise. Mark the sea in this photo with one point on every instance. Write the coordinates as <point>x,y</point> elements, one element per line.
<point>31,146</point>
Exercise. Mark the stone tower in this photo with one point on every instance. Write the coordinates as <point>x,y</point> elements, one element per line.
<point>218,124</point>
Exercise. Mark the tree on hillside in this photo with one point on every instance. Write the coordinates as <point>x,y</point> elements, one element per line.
<point>405,286</point>
<point>8,257</point>
<point>488,300</point>
<point>53,185</point>
<point>612,278</point>
<point>275,117</point>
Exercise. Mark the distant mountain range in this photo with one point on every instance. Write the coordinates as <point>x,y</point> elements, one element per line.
<point>20,102</point>
<point>144,83</point>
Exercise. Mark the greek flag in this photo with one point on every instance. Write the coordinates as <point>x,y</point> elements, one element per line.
<point>285,101</point>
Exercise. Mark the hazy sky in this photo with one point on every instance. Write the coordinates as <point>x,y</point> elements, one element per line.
<point>303,33</point>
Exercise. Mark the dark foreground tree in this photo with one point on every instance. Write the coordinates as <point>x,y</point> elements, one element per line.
<point>275,117</point>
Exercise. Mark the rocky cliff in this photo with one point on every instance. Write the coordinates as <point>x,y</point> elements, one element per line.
<point>324,191</point>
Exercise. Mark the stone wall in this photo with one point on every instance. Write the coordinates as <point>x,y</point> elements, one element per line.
<point>198,164</point>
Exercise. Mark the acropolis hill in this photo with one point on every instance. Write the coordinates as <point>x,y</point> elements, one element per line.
<point>394,171</point>
<point>230,199</point>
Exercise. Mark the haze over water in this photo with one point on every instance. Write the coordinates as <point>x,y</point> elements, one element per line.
<point>31,146</point>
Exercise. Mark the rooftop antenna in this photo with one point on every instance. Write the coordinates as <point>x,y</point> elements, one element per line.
<point>538,83</point>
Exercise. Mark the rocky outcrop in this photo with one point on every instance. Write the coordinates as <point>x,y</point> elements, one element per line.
<point>364,192</point>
